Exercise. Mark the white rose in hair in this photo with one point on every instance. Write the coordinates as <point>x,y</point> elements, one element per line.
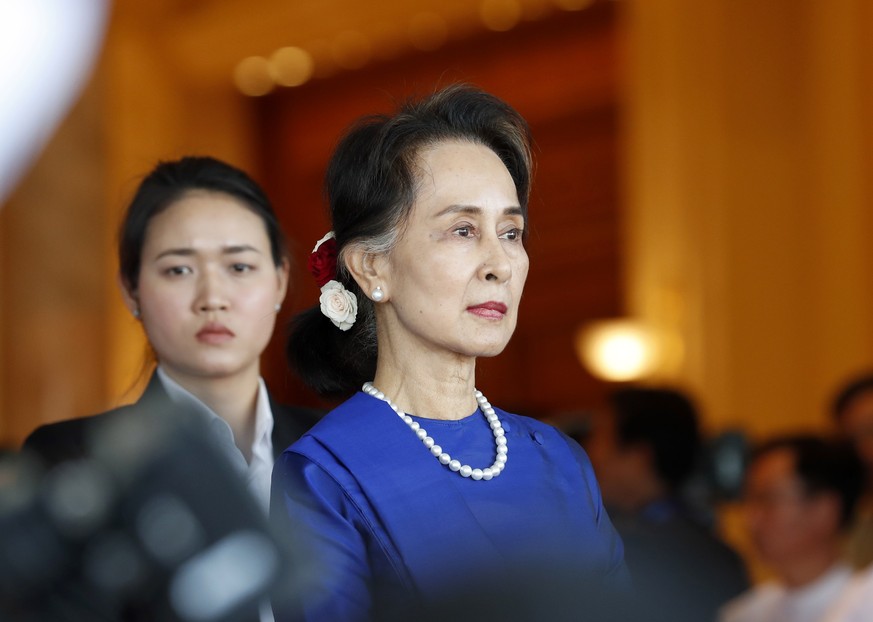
<point>338,304</point>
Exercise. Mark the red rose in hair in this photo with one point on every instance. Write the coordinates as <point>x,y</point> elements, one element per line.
<point>322,261</point>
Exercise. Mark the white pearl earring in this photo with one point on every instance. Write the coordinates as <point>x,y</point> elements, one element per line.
<point>378,294</point>
<point>136,313</point>
<point>277,307</point>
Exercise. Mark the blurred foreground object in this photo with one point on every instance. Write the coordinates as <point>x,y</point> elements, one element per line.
<point>47,48</point>
<point>156,525</point>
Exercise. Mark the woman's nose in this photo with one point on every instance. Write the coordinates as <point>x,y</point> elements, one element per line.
<point>496,265</point>
<point>210,293</point>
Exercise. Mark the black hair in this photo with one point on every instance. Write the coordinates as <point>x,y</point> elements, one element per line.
<point>171,180</point>
<point>823,466</point>
<point>853,389</point>
<point>663,419</point>
<point>371,185</point>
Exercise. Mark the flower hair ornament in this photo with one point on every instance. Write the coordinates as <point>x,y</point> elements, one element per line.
<point>338,304</point>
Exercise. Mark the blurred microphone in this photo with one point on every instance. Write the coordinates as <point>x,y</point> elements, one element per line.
<point>156,524</point>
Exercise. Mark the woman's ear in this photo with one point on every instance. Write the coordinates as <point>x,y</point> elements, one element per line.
<point>370,270</point>
<point>129,296</point>
<point>283,272</point>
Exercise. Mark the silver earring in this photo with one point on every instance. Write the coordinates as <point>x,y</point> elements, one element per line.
<point>378,294</point>
<point>136,313</point>
<point>277,307</point>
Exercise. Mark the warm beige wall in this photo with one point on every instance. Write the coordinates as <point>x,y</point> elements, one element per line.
<point>51,256</point>
<point>67,345</point>
<point>748,198</point>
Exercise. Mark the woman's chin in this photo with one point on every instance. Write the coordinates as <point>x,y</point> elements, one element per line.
<point>213,369</point>
<point>486,350</point>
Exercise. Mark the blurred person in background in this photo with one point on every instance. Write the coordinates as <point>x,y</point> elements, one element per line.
<point>204,267</point>
<point>852,410</point>
<point>853,413</point>
<point>799,497</point>
<point>644,448</point>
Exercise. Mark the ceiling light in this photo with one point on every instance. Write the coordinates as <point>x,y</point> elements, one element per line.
<point>252,76</point>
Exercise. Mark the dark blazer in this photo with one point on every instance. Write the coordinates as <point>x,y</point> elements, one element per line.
<point>181,462</point>
<point>54,443</point>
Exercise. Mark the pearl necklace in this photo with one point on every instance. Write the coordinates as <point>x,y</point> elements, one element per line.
<point>464,470</point>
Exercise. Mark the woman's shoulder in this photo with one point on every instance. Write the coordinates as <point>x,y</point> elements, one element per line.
<point>73,438</point>
<point>523,420</point>
<point>561,447</point>
<point>66,440</point>
<point>358,415</point>
<point>339,446</point>
<point>531,425</point>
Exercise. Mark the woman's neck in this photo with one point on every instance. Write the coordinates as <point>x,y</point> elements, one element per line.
<point>233,398</point>
<point>433,387</point>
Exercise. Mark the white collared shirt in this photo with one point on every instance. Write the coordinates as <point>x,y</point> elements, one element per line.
<point>855,604</point>
<point>773,602</point>
<point>258,472</point>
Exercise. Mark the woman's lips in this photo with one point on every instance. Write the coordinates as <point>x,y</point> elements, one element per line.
<point>214,334</point>
<point>489,310</point>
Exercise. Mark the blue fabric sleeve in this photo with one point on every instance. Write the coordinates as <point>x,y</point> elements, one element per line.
<point>617,576</point>
<point>336,582</point>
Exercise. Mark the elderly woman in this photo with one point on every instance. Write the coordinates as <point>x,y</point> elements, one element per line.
<point>416,486</point>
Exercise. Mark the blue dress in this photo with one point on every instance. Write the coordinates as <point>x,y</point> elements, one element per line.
<point>387,527</point>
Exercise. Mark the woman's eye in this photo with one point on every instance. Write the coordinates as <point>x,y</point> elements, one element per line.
<point>513,234</point>
<point>241,267</point>
<point>178,270</point>
<point>464,232</point>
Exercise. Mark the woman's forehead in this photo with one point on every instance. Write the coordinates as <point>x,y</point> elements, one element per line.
<point>206,216</point>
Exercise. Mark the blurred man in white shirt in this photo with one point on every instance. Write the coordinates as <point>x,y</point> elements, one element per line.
<point>799,498</point>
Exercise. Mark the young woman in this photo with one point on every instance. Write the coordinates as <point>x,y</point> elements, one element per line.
<point>204,268</point>
<point>417,488</point>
